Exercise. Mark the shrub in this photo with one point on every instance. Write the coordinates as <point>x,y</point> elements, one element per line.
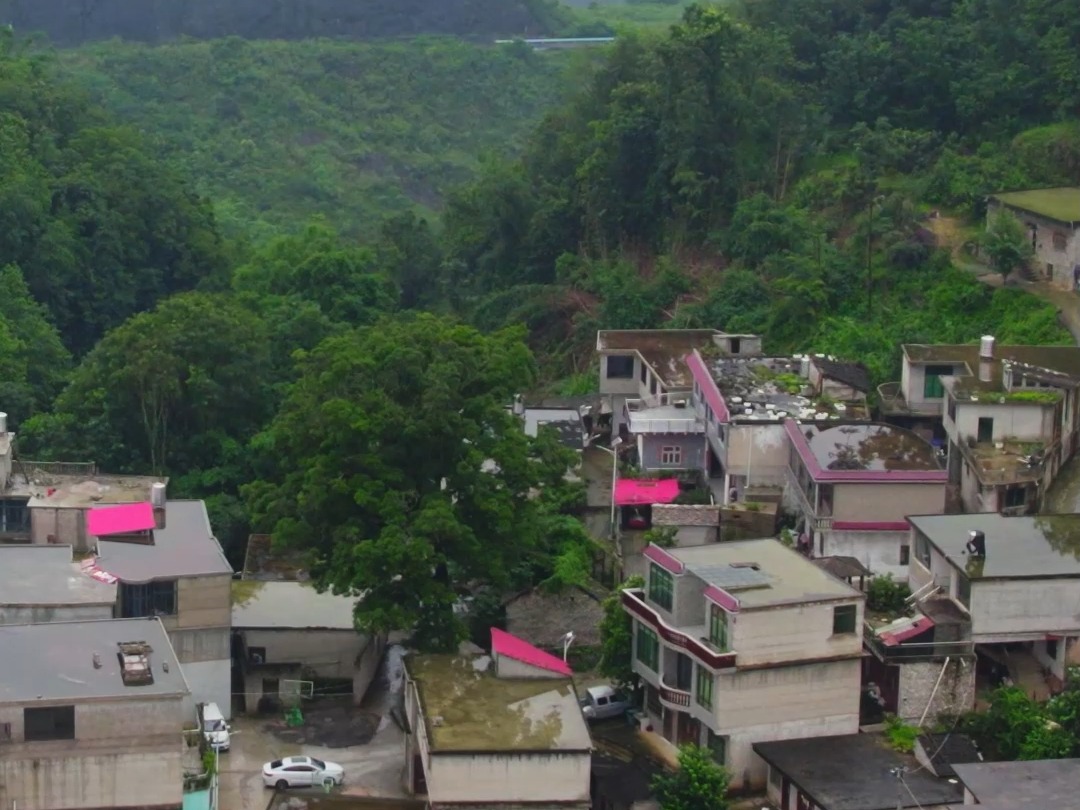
<point>885,595</point>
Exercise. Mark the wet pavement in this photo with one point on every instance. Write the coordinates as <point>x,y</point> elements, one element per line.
<point>372,770</point>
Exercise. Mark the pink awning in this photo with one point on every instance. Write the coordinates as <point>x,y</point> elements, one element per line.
<point>917,627</point>
<point>502,643</point>
<point>131,517</point>
<point>635,492</point>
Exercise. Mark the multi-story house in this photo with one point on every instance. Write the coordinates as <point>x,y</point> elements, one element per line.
<point>91,716</point>
<point>166,562</point>
<point>1009,585</point>
<point>645,381</point>
<point>1051,218</point>
<point>743,398</point>
<point>742,642</point>
<point>853,484</point>
<point>1007,414</point>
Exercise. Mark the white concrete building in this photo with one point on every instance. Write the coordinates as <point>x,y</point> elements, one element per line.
<point>290,631</point>
<point>91,716</point>
<point>1051,218</point>
<point>742,642</point>
<point>43,584</point>
<point>167,563</point>
<point>504,731</point>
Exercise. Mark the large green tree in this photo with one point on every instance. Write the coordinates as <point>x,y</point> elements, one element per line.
<point>395,463</point>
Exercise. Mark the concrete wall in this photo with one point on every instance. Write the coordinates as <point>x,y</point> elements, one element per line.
<point>67,525</point>
<point>955,693</point>
<point>783,703</point>
<point>209,682</point>
<point>650,447</point>
<point>327,653</point>
<point>126,753</point>
<point>1050,262</point>
<point>772,635</point>
<point>43,614</point>
<point>203,602</point>
<point>627,386</point>
<point>878,551</point>
<point>1025,422</point>
<point>690,536</point>
<point>1020,609</point>
<point>509,778</point>
<point>913,381</point>
<point>887,501</point>
<point>758,451</point>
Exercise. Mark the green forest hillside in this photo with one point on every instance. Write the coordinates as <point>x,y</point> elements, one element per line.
<point>275,132</point>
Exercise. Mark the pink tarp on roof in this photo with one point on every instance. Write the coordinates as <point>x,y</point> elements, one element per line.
<point>502,643</point>
<point>634,492</point>
<point>131,517</point>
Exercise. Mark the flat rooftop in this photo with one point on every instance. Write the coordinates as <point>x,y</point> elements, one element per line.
<point>773,388</point>
<point>482,713</point>
<point>1042,783</point>
<point>55,661</point>
<point>50,484</point>
<point>664,350</point>
<point>566,422</point>
<point>1027,547</point>
<point>762,572</point>
<point>853,772</point>
<point>1055,365</point>
<point>186,547</point>
<point>1061,204</point>
<point>289,605</point>
<point>47,576</point>
<point>869,446</point>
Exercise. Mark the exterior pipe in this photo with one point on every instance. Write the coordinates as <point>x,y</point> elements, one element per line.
<point>930,702</point>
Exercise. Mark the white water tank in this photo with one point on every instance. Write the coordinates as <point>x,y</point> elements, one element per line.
<point>986,347</point>
<point>804,366</point>
<point>157,495</point>
<point>3,423</point>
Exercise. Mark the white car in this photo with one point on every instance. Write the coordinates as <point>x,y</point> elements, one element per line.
<point>301,772</point>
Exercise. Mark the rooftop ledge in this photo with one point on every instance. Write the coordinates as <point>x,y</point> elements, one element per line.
<point>633,602</point>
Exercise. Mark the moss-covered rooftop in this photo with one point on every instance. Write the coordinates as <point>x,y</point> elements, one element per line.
<point>467,708</point>
<point>1060,204</point>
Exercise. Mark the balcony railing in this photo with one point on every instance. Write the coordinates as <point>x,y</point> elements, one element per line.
<point>634,603</point>
<point>915,652</point>
<point>672,697</point>
<point>891,398</point>
<point>819,523</point>
<point>663,413</point>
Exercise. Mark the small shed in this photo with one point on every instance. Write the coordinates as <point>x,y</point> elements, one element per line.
<point>694,524</point>
<point>848,569</point>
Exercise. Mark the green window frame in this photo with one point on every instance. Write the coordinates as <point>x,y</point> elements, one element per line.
<point>932,387</point>
<point>648,648</point>
<point>718,627</point>
<point>718,746</point>
<point>703,688</point>
<point>661,586</point>
<point>843,619</point>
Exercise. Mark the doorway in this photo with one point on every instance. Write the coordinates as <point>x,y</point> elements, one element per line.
<point>986,430</point>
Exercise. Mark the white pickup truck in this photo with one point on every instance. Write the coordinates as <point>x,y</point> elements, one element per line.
<point>602,702</point>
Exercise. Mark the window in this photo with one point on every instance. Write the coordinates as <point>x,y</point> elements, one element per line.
<point>1015,497</point>
<point>703,688</point>
<point>671,455</point>
<point>1051,653</point>
<point>718,746</point>
<point>156,598</point>
<point>718,627</point>
<point>14,515</point>
<point>736,345</point>
<point>985,430</point>
<point>648,648</point>
<point>922,550</point>
<point>644,373</point>
<point>952,409</point>
<point>256,655</point>
<point>1061,242</point>
<point>661,586</point>
<point>49,723</point>
<point>620,367</point>
<point>905,554</point>
<point>932,387</point>
<point>843,619</point>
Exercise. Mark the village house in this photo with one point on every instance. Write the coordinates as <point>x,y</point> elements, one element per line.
<point>165,561</point>
<point>692,524</point>
<point>91,716</point>
<point>1051,219</point>
<point>287,633</point>
<point>1008,416</point>
<point>851,772</point>
<point>1010,585</point>
<point>496,731</point>
<point>41,584</point>
<point>543,619</point>
<point>743,399</point>
<point>852,485</point>
<point>741,642</point>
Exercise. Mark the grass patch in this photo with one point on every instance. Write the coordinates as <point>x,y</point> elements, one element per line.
<point>1062,204</point>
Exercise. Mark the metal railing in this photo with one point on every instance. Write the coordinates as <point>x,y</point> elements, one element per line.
<point>637,413</point>
<point>892,400</point>
<point>633,602</point>
<point>75,468</point>
<point>915,652</point>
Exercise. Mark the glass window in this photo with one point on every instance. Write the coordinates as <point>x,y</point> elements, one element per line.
<point>932,387</point>
<point>843,619</point>
<point>671,455</point>
<point>157,598</point>
<point>922,550</point>
<point>718,627</point>
<point>620,367</point>
<point>49,723</point>
<point>703,688</point>
<point>648,648</point>
<point>661,586</point>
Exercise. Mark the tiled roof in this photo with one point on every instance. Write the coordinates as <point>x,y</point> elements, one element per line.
<point>677,514</point>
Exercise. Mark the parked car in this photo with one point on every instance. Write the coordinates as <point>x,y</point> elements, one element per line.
<point>601,702</point>
<point>301,772</point>
<point>214,727</point>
